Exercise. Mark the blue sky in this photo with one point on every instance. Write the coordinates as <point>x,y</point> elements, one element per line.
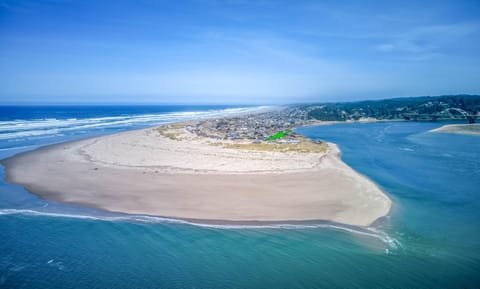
<point>236,51</point>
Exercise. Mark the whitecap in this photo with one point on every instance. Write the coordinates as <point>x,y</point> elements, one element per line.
<point>407,149</point>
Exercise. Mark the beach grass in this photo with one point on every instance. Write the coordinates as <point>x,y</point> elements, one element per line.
<point>305,146</point>
<point>168,131</point>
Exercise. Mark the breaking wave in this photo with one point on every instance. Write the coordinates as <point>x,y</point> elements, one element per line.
<point>17,129</point>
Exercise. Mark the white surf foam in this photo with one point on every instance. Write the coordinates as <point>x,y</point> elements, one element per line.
<point>369,231</point>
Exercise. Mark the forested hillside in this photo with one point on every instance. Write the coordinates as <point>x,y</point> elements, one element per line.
<point>410,108</point>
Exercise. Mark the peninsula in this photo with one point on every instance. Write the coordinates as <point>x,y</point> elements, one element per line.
<point>216,170</point>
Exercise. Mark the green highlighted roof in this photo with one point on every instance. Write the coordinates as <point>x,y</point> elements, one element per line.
<point>279,135</point>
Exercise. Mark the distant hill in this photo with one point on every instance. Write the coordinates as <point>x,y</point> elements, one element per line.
<point>407,108</point>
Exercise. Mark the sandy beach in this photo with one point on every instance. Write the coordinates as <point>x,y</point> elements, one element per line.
<point>185,176</point>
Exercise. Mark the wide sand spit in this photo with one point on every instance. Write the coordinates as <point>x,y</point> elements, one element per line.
<point>191,177</point>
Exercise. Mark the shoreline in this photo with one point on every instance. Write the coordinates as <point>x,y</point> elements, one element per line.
<point>94,184</point>
<point>120,216</point>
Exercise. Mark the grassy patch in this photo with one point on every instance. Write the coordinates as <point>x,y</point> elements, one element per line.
<point>168,131</point>
<point>302,147</point>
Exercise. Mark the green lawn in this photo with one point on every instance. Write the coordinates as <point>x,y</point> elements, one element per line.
<point>279,135</point>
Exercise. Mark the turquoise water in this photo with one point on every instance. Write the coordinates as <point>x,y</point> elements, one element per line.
<point>430,240</point>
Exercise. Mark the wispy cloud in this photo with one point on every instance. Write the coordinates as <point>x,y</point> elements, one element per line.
<point>427,41</point>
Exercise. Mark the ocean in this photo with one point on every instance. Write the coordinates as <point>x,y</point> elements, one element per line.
<point>431,239</point>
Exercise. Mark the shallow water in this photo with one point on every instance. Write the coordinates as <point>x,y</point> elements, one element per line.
<point>430,240</point>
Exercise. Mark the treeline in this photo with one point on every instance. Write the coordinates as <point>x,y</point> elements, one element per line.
<point>417,108</point>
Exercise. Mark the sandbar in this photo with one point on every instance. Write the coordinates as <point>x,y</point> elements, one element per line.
<point>470,129</point>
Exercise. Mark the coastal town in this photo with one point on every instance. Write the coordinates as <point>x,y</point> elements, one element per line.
<point>254,127</point>
<point>271,130</point>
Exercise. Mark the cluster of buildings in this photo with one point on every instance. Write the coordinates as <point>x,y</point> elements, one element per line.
<point>254,127</point>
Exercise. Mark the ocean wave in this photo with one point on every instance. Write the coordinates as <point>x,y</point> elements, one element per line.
<point>34,128</point>
<point>368,231</point>
<point>17,148</point>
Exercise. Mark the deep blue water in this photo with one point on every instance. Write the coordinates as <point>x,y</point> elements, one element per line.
<point>431,239</point>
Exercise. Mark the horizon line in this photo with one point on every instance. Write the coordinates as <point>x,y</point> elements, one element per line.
<point>52,103</point>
